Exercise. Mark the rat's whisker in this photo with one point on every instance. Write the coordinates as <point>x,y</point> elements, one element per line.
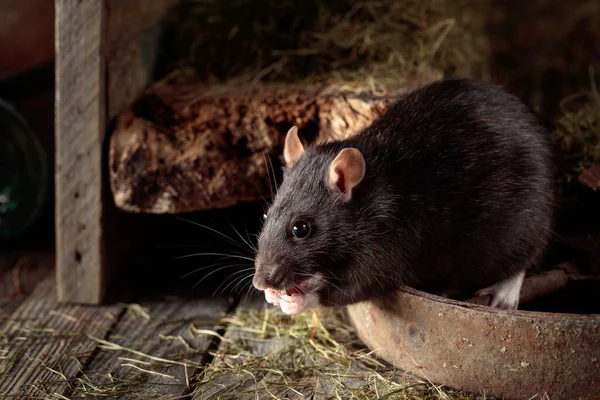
<point>241,237</point>
<point>268,174</point>
<point>202,246</point>
<point>250,289</point>
<point>252,245</point>
<point>328,281</point>
<point>273,171</point>
<point>217,264</point>
<point>240,281</point>
<point>328,255</point>
<point>221,234</point>
<point>215,254</point>
<point>237,282</point>
<point>232,278</point>
<point>333,275</point>
<point>209,274</point>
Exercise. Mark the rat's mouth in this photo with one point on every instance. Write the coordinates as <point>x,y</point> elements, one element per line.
<point>297,298</point>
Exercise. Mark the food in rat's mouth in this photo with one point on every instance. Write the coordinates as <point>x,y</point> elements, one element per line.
<point>297,298</point>
<point>292,301</point>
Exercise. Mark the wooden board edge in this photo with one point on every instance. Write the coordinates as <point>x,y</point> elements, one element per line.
<point>80,112</point>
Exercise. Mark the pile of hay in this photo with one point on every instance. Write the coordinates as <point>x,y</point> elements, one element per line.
<point>578,134</point>
<point>263,354</point>
<point>266,354</point>
<point>242,41</point>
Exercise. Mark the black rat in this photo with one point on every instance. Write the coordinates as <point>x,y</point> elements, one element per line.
<point>451,189</point>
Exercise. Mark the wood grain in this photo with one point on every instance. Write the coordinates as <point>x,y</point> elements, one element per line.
<point>229,385</point>
<point>80,128</point>
<point>167,332</point>
<point>45,344</point>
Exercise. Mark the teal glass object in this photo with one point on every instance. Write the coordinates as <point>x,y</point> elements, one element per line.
<point>23,174</point>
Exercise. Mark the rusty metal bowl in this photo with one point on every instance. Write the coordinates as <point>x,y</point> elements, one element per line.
<point>510,354</point>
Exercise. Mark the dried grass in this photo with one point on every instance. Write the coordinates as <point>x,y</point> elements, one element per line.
<point>367,42</point>
<point>264,354</point>
<point>578,131</point>
<point>271,355</point>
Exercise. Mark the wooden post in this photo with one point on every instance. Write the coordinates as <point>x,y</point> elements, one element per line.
<point>80,127</point>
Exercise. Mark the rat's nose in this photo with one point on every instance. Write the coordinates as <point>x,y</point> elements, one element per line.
<point>260,282</point>
<point>277,278</point>
<point>270,276</point>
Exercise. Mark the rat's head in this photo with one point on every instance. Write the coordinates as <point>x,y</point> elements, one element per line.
<point>310,230</point>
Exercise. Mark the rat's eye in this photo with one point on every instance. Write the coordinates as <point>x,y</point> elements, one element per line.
<point>264,216</point>
<point>300,229</point>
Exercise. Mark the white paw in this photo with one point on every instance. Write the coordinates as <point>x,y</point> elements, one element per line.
<point>504,300</point>
<point>505,294</point>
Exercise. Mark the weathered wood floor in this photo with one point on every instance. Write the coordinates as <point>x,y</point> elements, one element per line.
<point>52,350</point>
<point>153,348</point>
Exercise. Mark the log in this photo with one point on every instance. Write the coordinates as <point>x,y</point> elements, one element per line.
<point>191,147</point>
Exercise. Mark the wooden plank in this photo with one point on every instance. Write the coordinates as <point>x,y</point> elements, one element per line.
<point>80,128</point>
<point>168,331</point>
<point>44,344</point>
<point>239,384</point>
<point>19,276</point>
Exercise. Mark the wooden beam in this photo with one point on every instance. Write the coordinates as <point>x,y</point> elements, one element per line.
<point>80,128</point>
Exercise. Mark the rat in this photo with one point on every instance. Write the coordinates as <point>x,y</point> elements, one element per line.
<point>450,189</point>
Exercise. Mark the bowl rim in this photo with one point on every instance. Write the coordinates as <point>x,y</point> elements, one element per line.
<point>492,311</point>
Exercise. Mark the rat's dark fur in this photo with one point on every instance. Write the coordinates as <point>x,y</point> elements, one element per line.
<point>458,194</point>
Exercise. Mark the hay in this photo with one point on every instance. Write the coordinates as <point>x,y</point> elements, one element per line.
<point>265,354</point>
<point>272,355</point>
<point>247,42</point>
<point>578,132</point>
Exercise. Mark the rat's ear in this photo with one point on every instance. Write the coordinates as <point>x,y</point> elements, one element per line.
<point>345,172</point>
<point>293,148</point>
